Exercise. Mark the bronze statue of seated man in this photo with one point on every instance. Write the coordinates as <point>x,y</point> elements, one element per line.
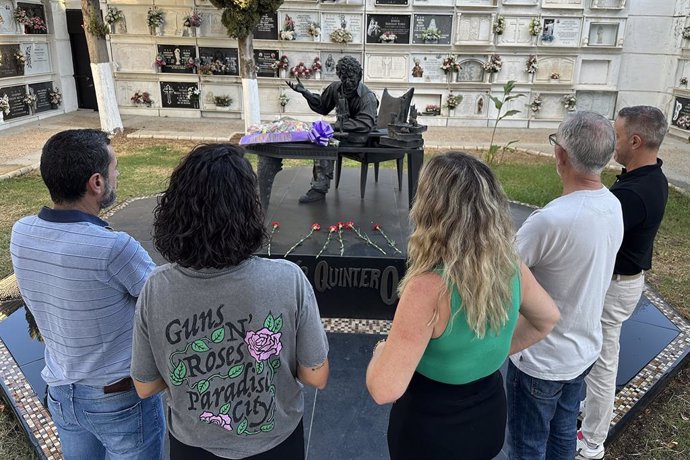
<point>356,111</point>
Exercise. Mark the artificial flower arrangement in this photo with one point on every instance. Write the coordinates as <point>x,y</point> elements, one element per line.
<point>55,96</point>
<point>535,105</point>
<point>449,64</point>
<point>683,81</point>
<point>192,63</point>
<point>388,37</point>
<point>193,19</point>
<point>314,30</point>
<point>154,17</point>
<point>222,101</point>
<point>193,93</point>
<point>283,99</point>
<point>432,109</point>
<point>20,58</point>
<point>30,100</point>
<point>531,66</point>
<point>431,33</point>
<point>36,24</point>
<point>569,101</point>
<point>341,36</point>
<point>215,68</point>
<point>20,16</point>
<point>288,32</point>
<point>142,98</point>
<point>453,101</point>
<point>300,71</point>
<point>114,15</point>
<point>494,64</point>
<point>160,60</point>
<point>534,27</point>
<point>500,25</point>
<point>686,32</point>
<point>5,104</point>
<point>555,76</point>
<point>316,65</point>
<point>281,64</point>
<point>683,122</point>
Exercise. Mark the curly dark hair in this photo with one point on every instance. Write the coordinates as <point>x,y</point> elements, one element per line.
<point>348,65</point>
<point>210,215</point>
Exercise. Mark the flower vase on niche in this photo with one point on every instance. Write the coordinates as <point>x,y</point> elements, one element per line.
<point>317,75</point>
<point>454,76</point>
<point>113,28</point>
<point>283,73</point>
<point>488,77</point>
<point>197,31</point>
<point>195,103</point>
<point>152,30</point>
<point>451,112</point>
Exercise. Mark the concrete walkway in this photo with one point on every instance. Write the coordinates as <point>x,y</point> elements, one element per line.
<point>20,146</point>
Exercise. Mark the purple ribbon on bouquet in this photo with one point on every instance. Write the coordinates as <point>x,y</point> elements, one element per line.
<point>321,132</point>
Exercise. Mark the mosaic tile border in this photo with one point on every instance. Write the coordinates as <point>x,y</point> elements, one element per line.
<point>32,414</point>
<point>43,433</point>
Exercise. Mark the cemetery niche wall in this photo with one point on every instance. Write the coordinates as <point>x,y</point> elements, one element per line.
<point>27,67</point>
<point>551,48</point>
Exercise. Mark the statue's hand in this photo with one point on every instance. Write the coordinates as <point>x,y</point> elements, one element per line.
<point>299,87</point>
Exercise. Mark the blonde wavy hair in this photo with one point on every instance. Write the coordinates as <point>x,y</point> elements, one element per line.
<point>462,223</point>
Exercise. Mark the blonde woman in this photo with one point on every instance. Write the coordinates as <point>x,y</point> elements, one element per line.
<point>466,303</point>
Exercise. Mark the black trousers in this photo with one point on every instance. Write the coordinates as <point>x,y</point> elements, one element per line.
<point>437,421</point>
<point>290,449</point>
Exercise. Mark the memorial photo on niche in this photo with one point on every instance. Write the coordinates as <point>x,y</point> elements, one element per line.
<point>388,28</point>
<point>681,113</point>
<point>432,29</point>
<point>178,58</point>
<point>218,61</point>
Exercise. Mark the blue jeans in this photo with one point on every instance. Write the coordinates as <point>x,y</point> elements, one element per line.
<point>91,423</point>
<point>542,415</point>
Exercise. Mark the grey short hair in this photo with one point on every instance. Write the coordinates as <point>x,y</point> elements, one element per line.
<point>589,140</point>
<point>647,122</point>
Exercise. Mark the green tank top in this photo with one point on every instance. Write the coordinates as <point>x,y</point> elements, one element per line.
<point>458,356</point>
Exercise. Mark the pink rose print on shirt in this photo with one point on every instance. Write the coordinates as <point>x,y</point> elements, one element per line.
<point>263,343</point>
<point>222,420</point>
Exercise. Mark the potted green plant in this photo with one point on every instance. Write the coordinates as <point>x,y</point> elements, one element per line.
<point>222,102</point>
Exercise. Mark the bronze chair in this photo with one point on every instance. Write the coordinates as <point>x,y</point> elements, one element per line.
<point>391,108</point>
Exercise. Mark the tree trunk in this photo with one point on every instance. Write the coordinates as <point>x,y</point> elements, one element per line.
<point>102,71</point>
<point>250,88</point>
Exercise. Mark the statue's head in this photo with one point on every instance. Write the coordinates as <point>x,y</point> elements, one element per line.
<point>349,70</point>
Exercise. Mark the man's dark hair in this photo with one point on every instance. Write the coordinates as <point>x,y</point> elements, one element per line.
<point>647,122</point>
<point>210,215</point>
<point>70,158</point>
<point>347,65</point>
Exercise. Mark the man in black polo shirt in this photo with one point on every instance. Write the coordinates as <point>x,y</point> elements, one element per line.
<point>642,190</point>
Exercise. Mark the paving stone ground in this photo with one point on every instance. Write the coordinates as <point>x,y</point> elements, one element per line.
<point>20,146</point>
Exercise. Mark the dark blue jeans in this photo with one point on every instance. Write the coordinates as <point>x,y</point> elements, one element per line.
<point>542,416</point>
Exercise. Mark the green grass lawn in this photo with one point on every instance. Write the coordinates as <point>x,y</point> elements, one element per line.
<point>663,431</point>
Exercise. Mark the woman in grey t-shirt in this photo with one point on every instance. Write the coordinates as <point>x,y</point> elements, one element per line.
<point>228,335</point>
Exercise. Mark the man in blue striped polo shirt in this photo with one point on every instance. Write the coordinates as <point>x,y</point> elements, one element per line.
<point>80,280</point>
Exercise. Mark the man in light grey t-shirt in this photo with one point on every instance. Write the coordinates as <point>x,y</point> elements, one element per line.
<point>570,245</point>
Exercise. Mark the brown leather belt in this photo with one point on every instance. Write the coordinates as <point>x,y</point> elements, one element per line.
<point>617,277</point>
<point>118,387</point>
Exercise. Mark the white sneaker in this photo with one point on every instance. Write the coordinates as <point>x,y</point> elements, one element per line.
<point>588,451</point>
